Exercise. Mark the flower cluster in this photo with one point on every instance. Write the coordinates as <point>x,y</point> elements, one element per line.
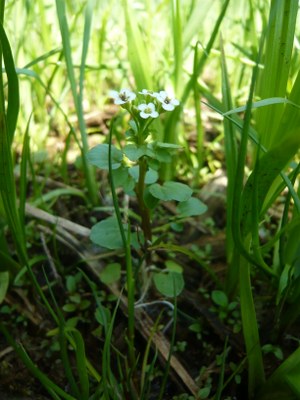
<point>155,102</point>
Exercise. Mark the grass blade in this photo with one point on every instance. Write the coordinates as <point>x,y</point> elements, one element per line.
<point>177,43</point>
<point>7,126</point>
<point>65,34</point>
<point>138,55</point>
<point>284,382</point>
<point>23,175</point>
<point>231,165</point>
<point>277,59</point>
<point>81,361</point>
<point>55,391</point>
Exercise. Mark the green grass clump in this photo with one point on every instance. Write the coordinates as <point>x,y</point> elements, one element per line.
<point>234,68</point>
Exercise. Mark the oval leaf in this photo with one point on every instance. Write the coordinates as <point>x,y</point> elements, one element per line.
<point>169,284</point>
<point>133,152</point>
<point>171,191</point>
<point>107,234</point>
<point>111,273</point>
<point>98,156</point>
<point>151,175</point>
<point>191,207</point>
<point>219,298</point>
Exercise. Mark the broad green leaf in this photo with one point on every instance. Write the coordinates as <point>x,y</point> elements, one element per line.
<point>133,152</point>
<point>169,284</point>
<point>106,234</point>
<point>111,273</point>
<point>98,156</point>
<point>123,179</point>
<point>173,266</point>
<point>162,155</point>
<point>171,191</point>
<point>150,201</point>
<point>151,175</point>
<point>191,207</point>
<point>154,164</point>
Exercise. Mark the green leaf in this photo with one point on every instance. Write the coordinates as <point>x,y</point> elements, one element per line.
<point>133,152</point>
<point>153,164</point>
<point>150,201</point>
<point>219,298</point>
<point>191,207</point>
<point>13,100</point>
<point>292,245</point>
<point>173,266</point>
<point>71,283</point>
<point>111,273</point>
<point>151,175</point>
<point>263,103</point>
<point>169,284</point>
<point>284,382</point>
<point>133,125</point>
<point>162,155</point>
<point>69,307</point>
<point>102,315</point>
<point>171,191</point>
<point>98,156</point>
<point>123,179</point>
<point>106,234</point>
<point>84,304</point>
<point>138,51</point>
<point>4,281</point>
<point>170,146</point>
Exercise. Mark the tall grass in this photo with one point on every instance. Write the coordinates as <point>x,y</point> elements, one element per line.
<point>121,46</point>
<point>277,142</point>
<point>8,119</point>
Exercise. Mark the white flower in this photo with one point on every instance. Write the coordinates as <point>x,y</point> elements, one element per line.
<point>168,103</point>
<point>147,110</point>
<point>147,92</point>
<point>122,97</point>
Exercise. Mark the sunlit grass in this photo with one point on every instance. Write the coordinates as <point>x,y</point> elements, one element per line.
<point>60,61</point>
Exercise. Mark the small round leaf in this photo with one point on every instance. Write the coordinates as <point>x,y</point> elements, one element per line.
<point>169,284</point>
<point>171,191</point>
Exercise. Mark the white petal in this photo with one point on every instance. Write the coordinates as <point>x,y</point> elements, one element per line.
<point>168,107</point>
<point>144,115</point>
<point>113,93</point>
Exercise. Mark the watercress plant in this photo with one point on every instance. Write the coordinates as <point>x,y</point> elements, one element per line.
<point>136,167</point>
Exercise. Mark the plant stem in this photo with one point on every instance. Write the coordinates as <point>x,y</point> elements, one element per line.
<point>129,270</point>
<point>144,211</point>
<point>256,374</point>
